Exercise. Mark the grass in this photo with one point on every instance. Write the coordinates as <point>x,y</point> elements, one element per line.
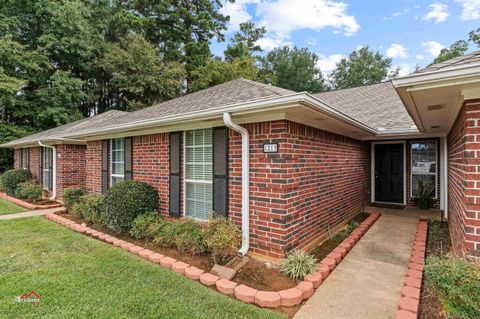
<point>80,277</point>
<point>9,208</point>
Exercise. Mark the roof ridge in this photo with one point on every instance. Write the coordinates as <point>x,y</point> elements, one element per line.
<point>354,87</point>
<point>270,87</point>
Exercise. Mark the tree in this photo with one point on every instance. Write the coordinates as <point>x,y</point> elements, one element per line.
<point>456,49</point>
<point>294,69</point>
<point>361,67</point>
<point>244,42</point>
<point>474,36</point>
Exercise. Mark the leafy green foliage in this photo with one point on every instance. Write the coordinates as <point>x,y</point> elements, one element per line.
<point>29,190</point>
<point>190,237</point>
<point>244,42</point>
<point>456,49</point>
<point>221,237</point>
<point>8,133</point>
<point>127,200</point>
<point>71,196</point>
<point>12,178</point>
<point>425,193</point>
<point>361,67</point>
<point>146,225</point>
<point>340,236</point>
<point>165,234</point>
<point>294,69</point>
<point>91,208</point>
<point>458,283</point>
<point>298,264</point>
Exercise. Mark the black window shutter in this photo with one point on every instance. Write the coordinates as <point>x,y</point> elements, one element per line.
<point>28,158</point>
<point>220,171</point>
<point>50,169</point>
<point>40,164</point>
<point>175,174</point>
<point>104,166</point>
<point>128,159</point>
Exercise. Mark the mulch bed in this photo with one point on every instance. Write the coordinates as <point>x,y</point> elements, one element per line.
<point>438,244</point>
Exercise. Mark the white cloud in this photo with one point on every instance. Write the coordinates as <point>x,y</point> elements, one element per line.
<point>397,51</point>
<point>419,57</point>
<point>438,12</point>
<point>433,48</point>
<point>327,63</point>
<point>397,14</point>
<point>273,41</point>
<point>471,9</point>
<point>403,69</point>
<point>282,17</point>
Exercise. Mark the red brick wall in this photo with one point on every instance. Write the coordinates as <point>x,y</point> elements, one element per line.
<point>35,160</point>
<point>464,181</point>
<point>93,158</point>
<point>71,166</point>
<point>316,181</point>
<point>17,158</point>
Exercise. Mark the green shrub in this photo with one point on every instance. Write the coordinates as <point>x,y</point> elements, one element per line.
<point>221,238</point>
<point>71,196</point>
<point>458,285</point>
<point>29,190</point>
<point>146,225</point>
<point>11,178</point>
<point>298,264</point>
<point>190,237</point>
<point>340,236</point>
<point>165,234</point>
<point>90,207</point>
<point>127,200</point>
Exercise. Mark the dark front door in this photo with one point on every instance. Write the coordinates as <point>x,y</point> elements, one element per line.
<point>389,173</point>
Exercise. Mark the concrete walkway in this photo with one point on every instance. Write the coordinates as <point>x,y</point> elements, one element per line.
<point>31,213</point>
<point>367,283</point>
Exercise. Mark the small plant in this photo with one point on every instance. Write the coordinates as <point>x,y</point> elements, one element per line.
<point>29,190</point>
<point>11,178</point>
<point>143,227</point>
<point>127,200</point>
<point>90,207</point>
<point>190,237</point>
<point>340,236</point>
<point>71,196</point>
<point>221,238</point>
<point>424,198</point>
<point>457,282</point>
<point>298,264</point>
<point>165,234</point>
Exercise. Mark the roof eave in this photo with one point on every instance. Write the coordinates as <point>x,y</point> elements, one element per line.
<point>467,70</point>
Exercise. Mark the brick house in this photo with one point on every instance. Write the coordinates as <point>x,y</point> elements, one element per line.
<point>288,167</point>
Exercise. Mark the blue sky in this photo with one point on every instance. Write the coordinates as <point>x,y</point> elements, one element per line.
<point>410,32</point>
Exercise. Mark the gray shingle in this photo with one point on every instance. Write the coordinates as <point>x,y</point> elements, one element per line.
<point>462,60</point>
<point>377,105</point>
<point>100,120</point>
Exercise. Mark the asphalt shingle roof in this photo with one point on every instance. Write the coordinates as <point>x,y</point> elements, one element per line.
<point>377,105</point>
<point>97,121</point>
<point>462,60</point>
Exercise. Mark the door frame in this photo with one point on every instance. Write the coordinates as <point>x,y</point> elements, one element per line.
<point>372,170</point>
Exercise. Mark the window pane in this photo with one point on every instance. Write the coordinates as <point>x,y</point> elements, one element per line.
<point>116,179</point>
<point>117,159</point>
<point>424,163</point>
<point>425,179</point>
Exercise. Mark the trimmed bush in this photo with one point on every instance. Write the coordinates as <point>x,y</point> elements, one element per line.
<point>190,237</point>
<point>165,234</point>
<point>11,178</point>
<point>71,196</point>
<point>458,285</point>
<point>221,238</point>
<point>146,225</point>
<point>298,264</point>
<point>127,200</point>
<point>90,207</point>
<point>29,190</point>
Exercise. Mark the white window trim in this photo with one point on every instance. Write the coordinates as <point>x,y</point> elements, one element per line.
<point>372,171</point>
<point>185,180</point>
<point>111,161</point>
<point>25,156</point>
<point>436,167</point>
<point>46,169</point>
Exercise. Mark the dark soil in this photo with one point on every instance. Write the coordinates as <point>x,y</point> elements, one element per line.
<point>329,245</point>
<point>256,275</point>
<point>438,244</point>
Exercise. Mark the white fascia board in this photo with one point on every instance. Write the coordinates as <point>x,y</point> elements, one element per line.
<point>439,75</point>
<point>238,108</point>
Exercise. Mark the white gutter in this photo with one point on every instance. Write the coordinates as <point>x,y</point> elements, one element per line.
<point>54,167</point>
<point>466,70</point>
<point>227,119</point>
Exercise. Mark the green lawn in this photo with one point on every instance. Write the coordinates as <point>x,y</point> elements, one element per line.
<point>80,277</point>
<point>9,208</point>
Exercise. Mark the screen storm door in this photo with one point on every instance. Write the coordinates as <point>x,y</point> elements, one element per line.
<point>389,173</point>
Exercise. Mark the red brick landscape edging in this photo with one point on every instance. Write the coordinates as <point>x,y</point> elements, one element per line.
<point>266,299</point>
<point>28,205</point>
<point>410,299</point>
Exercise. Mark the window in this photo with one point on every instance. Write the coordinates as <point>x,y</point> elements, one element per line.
<point>198,174</point>
<point>47,165</point>
<point>424,165</point>
<point>25,158</point>
<point>117,157</point>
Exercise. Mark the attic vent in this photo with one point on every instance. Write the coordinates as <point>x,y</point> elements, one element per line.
<point>435,107</point>
<point>435,126</point>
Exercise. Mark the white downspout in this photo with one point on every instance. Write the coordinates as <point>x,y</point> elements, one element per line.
<point>227,119</point>
<point>54,167</point>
